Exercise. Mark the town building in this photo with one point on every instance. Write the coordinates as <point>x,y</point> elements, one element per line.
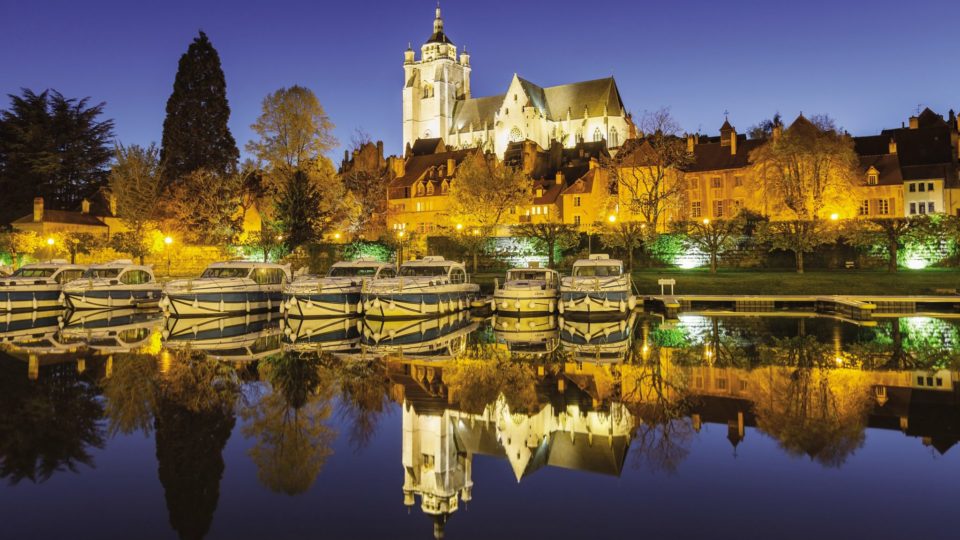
<point>438,104</point>
<point>96,218</point>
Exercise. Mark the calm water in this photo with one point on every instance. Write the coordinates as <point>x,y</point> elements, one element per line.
<point>124,425</point>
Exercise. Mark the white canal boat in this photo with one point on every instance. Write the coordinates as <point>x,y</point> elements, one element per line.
<point>598,342</point>
<point>536,336</point>
<point>336,294</point>
<point>335,335</point>
<point>238,338</point>
<point>438,338</point>
<point>116,284</point>
<point>527,291</point>
<point>427,287</point>
<point>37,286</point>
<point>227,288</point>
<point>597,286</point>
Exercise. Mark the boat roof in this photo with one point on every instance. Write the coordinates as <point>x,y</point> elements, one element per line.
<point>542,270</point>
<point>431,261</point>
<point>361,261</point>
<point>247,264</point>
<point>55,263</point>
<point>598,259</point>
<point>123,263</point>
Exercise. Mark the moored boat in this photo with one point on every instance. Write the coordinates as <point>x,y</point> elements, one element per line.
<point>593,341</point>
<point>231,337</point>
<point>227,288</point>
<point>37,286</point>
<point>116,284</point>
<point>427,287</point>
<point>336,294</point>
<point>527,291</point>
<point>336,335</point>
<point>527,335</point>
<point>437,338</point>
<point>597,286</point>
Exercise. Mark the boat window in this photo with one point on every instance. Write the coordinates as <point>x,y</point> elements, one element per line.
<point>225,273</point>
<point>69,275</point>
<point>458,276</point>
<point>350,271</point>
<point>412,271</point>
<point>268,276</point>
<point>34,272</point>
<point>135,277</point>
<point>596,271</point>
<point>95,273</point>
<point>387,272</point>
<point>527,275</point>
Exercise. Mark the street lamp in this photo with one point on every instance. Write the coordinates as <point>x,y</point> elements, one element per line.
<point>459,226</point>
<point>400,254</point>
<point>612,218</point>
<point>834,216</point>
<point>50,242</point>
<point>336,236</point>
<point>706,221</point>
<point>167,242</point>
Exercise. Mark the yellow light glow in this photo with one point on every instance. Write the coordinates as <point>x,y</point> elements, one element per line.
<point>279,238</point>
<point>50,241</point>
<point>834,216</point>
<point>643,225</point>
<point>612,218</point>
<point>706,221</point>
<point>459,226</point>
<point>336,236</point>
<point>168,240</point>
<point>400,234</point>
<point>476,232</point>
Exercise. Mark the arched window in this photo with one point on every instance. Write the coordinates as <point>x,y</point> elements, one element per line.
<point>430,189</point>
<point>597,135</point>
<point>614,137</point>
<point>419,189</point>
<point>444,187</point>
<point>516,135</point>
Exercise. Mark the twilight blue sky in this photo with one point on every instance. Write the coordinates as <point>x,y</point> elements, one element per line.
<point>866,63</point>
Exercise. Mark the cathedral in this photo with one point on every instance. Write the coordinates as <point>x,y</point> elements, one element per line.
<point>437,104</point>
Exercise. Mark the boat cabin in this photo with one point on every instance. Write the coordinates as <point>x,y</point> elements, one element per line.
<point>434,267</point>
<point>598,265</point>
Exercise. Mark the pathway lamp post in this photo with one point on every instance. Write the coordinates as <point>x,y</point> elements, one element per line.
<point>167,242</point>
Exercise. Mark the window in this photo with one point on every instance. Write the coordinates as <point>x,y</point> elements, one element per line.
<point>864,209</point>
<point>883,207</point>
<point>419,189</point>
<point>743,385</point>
<point>597,135</point>
<point>614,137</point>
<point>516,135</point>
<point>939,381</point>
<point>695,209</point>
<point>913,208</point>
<point>872,179</point>
<point>695,194</point>
<point>718,209</point>
<point>457,276</point>
<point>930,207</point>
<point>929,187</point>
<point>546,210</point>
<point>430,189</point>
<point>913,188</point>
<point>716,182</point>
<point>737,205</point>
<point>135,277</point>
<point>922,208</point>
<point>923,187</point>
<point>69,275</point>
<point>721,384</point>
<point>387,272</point>
<point>539,192</point>
<point>738,181</point>
<point>576,220</point>
<point>419,207</point>
<point>268,276</point>
<point>919,381</point>
<point>576,201</point>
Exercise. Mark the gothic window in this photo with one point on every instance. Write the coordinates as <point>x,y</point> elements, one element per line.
<point>430,189</point>
<point>614,137</point>
<point>516,135</point>
<point>597,135</point>
<point>444,187</point>
<point>419,189</point>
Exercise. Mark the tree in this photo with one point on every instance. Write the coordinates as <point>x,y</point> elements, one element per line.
<point>137,244</point>
<point>206,207</point>
<point>550,236</point>
<point>712,237</point>
<point>76,243</point>
<point>368,189</point>
<point>265,242</point>
<point>52,147</point>
<point>764,130</point>
<point>888,232</point>
<point>798,236</point>
<point>628,236</point>
<point>647,173</point>
<point>195,132</point>
<point>484,190</point>
<point>136,181</point>
<point>294,130</point>
<point>19,244</point>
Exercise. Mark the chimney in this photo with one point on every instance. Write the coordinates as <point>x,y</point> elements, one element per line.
<point>113,205</point>
<point>914,122</point>
<point>593,163</point>
<point>37,209</point>
<point>733,142</point>
<point>559,178</point>
<point>690,143</point>
<point>451,166</point>
<point>892,146</point>
<point>777,131</point>
<point>85,207</point>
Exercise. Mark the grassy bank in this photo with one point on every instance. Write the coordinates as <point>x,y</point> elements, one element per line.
<point>815,282</point>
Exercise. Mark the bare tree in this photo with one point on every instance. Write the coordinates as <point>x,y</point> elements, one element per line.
<point>713,237</point>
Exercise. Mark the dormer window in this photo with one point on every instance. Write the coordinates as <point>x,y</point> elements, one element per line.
<point>539,192</point>
<point>420,189</point>
<point>444,187</point>
<point>429,189</point>
<point>872,179</point>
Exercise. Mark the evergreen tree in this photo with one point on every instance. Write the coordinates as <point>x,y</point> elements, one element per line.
<point>298,210</point>
<point>51,147</point>
<point>195,132</point>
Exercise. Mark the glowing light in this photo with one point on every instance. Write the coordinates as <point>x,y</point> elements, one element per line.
<point>279,238</point>
<point>399,234</point>
<point>168,240</point>
<point>50,241</point>
<point>476,232</point>
<point>916,263</point>
<point>612,218</point>
<point>834,216</point>
<point>838,360</point>
<point>336,236</point>
<point>459,226</point>
<point>706,221</point>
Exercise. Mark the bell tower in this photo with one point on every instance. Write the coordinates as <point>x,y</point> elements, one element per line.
<point>433,85</point>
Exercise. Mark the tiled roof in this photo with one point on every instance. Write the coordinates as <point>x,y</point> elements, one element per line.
<point>716,156</point>
<point>887,166</point>
<point>475,111</point>
<point>64,217</point>
<point>417,166</point>
<point>582,185</point>
<point>423,147</point>
<point>551,191</point>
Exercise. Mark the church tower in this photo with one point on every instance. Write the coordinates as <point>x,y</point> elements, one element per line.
<point>433,85</point>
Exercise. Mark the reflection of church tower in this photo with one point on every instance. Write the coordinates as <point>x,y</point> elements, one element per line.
<point>190,462</point>
<point>432,86</point>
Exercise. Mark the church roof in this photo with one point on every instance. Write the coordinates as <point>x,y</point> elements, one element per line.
<point>476,111</point>
<point>439,37</point>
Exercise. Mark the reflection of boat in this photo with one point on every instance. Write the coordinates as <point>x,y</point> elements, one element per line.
<point>37,286</point>
<point>239,337</point>
<point>27,325</point>
<point>336,334</point>
<point>428,287</point>
<point>440,337</point>
<point>527,291</point>
<point>227,287</point>
<point>110,330</point>
<point>597,341</point>
<point>527,334</point>
<point>597,286</point>
<point>337,293</point>
<point>115,284</point>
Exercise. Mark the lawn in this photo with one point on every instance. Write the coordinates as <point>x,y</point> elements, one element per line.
<point>811,282</point>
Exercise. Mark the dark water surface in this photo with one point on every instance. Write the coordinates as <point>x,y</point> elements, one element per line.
<point>124,425</point>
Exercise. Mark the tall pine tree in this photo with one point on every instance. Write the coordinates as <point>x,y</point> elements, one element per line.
<point>51,147</point>
<point>195,132</point>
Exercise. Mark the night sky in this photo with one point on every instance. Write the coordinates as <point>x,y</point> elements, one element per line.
<point>867,63</point>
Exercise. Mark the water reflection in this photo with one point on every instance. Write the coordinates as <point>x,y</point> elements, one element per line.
<point>536,393</point>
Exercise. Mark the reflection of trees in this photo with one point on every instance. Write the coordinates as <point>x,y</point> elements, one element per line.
<point>193,422</point>
<point>131,393</point>
<point>293,441</point>
<point>364,396</point>
<point>810,408</point>
<point>46,425</point>
<point>477,383</point>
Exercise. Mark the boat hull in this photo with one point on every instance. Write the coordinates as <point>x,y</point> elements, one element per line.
<point>309,305</point>
<point>416,305</point>
<point>208,304</point>
<point>111,298</point>
<point>525,302</point>
<point>600,303</point>
<point>32,299</point>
